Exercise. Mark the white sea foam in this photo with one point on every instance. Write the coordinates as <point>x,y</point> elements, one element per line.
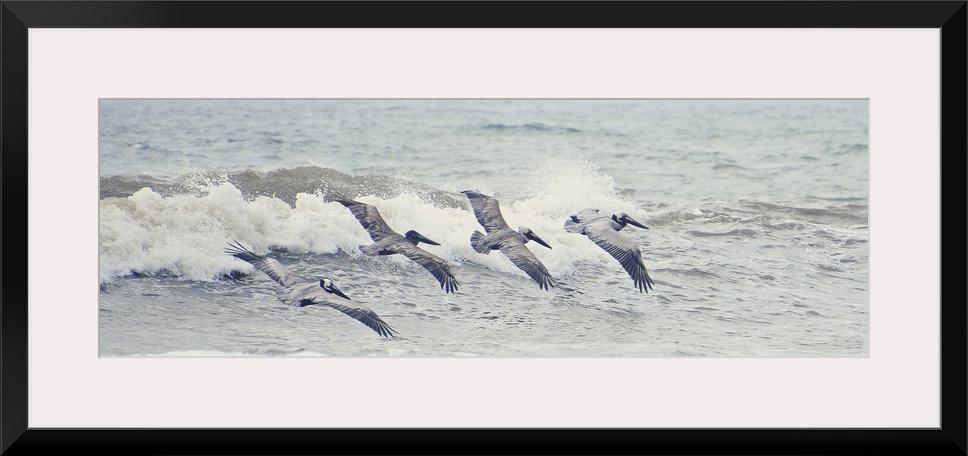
<point>185,235</point>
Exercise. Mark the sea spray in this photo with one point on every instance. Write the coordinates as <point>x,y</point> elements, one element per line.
<point>185,235</point>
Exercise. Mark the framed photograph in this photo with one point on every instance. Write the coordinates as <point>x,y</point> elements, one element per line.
<point>651,227</point>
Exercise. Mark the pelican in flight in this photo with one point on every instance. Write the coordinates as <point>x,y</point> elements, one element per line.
<point>604,231</point>
<point>304,292</point>
<point>389,242</point>
<point>501,237</point>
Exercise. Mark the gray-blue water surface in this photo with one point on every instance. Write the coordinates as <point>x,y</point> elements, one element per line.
<point>757,216</point>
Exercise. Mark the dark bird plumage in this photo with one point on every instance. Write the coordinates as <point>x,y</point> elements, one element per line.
<point>389,242</point>
<point>501,237</point>
<point>604,231</point>
<point>304,292</point>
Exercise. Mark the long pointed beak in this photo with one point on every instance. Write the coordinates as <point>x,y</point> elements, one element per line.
<point>338,292</point>
<point>535,238</point>
<point>420,238</point>
<point>634,223</point>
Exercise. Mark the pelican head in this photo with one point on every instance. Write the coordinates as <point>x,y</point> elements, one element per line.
<point>623,218</point>
<point>527,233</point>
<point>330,287</point>
<point>415,237</point>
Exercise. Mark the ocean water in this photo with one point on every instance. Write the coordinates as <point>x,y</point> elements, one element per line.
<point>757,213</point>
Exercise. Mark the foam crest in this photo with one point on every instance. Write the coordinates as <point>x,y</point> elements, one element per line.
<point>563,185</point>
<point>185,235</point>
<point>147,233</point>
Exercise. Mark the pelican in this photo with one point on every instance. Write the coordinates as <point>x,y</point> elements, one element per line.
<point>389,242</point>
<point>501,237</point>
<point>604,231</point>
<point>303,292</point>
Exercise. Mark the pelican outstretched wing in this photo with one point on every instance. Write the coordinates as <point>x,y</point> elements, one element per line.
<point>363,315</point>
<point>270,266</point>
<point>368,216</point>
<point>527,262</point>
<point>622,249</point>
<point>289,279</point>
<point>487,211</point>
<point>437,266</point>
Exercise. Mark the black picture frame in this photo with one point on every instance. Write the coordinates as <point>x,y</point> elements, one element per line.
<point>18,16</point>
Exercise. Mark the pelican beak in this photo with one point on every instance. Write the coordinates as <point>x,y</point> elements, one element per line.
<point>332,289</point>
<point>337,292</point>
<point>632,222</point>
<point>535,238</point>
<point>417,237</point>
